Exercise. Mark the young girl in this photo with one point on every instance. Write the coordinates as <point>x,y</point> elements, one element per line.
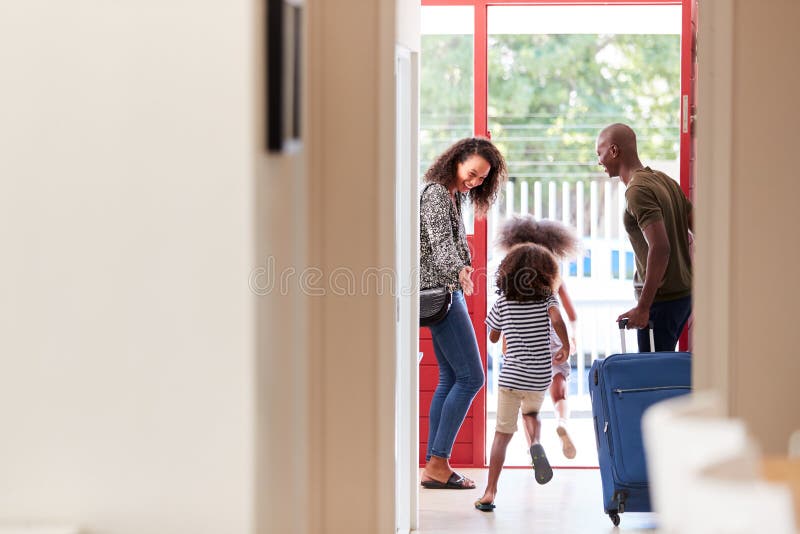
<point>524,313</point>
<point>562,241</point>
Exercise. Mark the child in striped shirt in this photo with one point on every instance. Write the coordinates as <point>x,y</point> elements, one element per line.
<point>526,281</point>
<point>564,243</point>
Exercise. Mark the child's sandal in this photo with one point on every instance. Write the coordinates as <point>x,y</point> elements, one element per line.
<point>484,506</point>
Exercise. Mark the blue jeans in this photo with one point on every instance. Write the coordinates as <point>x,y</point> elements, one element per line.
<point>460,377</point>
<point>668,318</point>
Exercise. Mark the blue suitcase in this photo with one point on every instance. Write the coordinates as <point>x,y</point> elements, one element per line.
<point>622,386</point>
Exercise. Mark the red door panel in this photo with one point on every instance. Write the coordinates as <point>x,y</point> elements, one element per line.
<point>428,376</point>
<point>469,448</point>
<point>688,113</point>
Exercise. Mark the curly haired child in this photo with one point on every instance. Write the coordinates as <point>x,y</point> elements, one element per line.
<point>563,242</point>
<point>524,313</point>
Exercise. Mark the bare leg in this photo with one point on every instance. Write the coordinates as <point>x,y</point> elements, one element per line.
<point>558,392</point>
<point>496,461</point>
<point>533,427</point>
<point>541,466</point>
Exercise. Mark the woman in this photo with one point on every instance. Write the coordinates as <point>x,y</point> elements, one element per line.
<point>471,167</point>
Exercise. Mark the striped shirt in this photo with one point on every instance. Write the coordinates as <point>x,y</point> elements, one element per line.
<point>527,364</point>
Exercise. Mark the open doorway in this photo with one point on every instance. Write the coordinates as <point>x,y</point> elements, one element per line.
<point>543,80</point>
<point>556,76</point>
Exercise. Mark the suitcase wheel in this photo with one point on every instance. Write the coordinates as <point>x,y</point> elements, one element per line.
<point>614,518</point>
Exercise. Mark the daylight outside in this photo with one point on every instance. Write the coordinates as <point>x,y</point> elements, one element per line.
<point>555,79</point>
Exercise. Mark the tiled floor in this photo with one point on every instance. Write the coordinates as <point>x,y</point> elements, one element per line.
<point>571,503</point>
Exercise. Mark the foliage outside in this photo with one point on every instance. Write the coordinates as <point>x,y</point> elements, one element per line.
<point>549,95</point>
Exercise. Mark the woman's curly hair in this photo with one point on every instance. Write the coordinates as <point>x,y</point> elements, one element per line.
<point>528,272</point>
<point>555,236</point>
<point>443,170</point>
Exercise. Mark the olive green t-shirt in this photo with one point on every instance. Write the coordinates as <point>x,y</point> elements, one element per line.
<point>653,196</point>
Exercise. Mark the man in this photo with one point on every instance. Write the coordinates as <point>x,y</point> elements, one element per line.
<point>658,219</point>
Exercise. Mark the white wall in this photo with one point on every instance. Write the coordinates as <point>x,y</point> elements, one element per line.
<point>126,326</point>
<point>407,25</point>
<point>143,387</point>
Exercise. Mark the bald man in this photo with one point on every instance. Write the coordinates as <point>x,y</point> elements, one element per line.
<point>658,220</point>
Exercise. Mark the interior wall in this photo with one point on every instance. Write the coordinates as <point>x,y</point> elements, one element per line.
<point>284,419</point>
<point>765,291</point>
<point>750,356</point>
<point>351,234</point>
<point>285,422</point>
<point>712,214</point>
<point>126,325</point>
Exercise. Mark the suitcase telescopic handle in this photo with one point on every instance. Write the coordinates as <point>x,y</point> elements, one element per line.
<point>623,324</point>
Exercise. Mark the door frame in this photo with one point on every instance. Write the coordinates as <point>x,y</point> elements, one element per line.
<point>480,99</point>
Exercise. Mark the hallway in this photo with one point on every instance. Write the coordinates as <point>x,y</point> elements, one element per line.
<point>569,504</point>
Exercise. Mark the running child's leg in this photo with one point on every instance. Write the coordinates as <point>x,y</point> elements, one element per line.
<point>533,426</point>
<point>541,466</point>
<point>508,403</point>
<point>531,404</point>
<point>496,461</point>
<point>558,393</point>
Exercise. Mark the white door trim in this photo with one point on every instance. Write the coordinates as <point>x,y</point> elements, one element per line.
<point>407,237</point>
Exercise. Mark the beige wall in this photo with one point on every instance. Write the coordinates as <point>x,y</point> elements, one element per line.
<point>285,424</point>
<point>144,386</point>
<point>135,366</point>
<point>351,155</point>
<point>126,331</point>
<point>749,176</point>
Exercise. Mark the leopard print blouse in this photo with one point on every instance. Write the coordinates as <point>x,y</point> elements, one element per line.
<point>442,238</point>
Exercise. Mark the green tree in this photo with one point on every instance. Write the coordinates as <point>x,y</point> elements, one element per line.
<point>446,86</point>
<point>549,95</point>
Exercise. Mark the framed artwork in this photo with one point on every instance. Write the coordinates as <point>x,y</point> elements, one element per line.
<point>284,38</point>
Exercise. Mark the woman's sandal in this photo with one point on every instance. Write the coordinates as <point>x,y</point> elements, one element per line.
<point>455,481</point>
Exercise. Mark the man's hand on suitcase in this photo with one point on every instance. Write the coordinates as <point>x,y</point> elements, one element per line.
<point>637,317</point>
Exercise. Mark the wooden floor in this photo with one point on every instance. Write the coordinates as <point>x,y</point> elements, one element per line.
<point>571,503</point>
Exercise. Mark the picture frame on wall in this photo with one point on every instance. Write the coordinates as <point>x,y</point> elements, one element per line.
<point>284,24</point>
